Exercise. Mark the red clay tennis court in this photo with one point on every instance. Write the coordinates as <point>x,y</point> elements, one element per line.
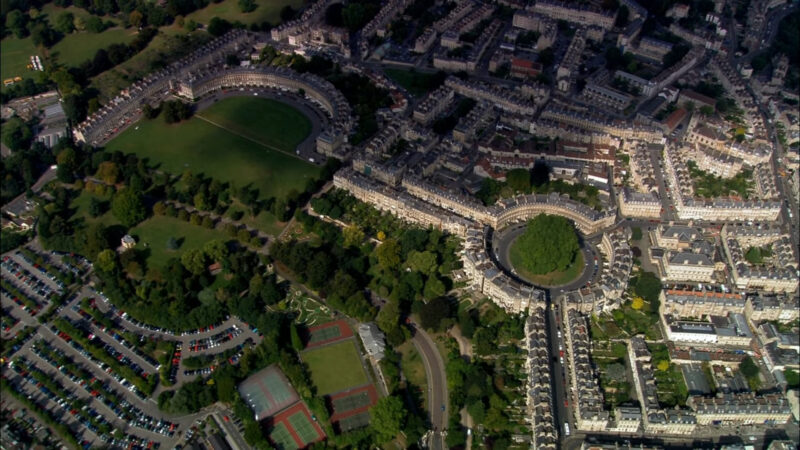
<point>328,333</point>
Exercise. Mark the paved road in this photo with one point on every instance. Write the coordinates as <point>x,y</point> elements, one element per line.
<point>437,385</point>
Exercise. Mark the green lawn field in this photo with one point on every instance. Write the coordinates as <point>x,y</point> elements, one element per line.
<point>81,206</point>
<point>78,47</point>
<point>169,44</point>
<point>216,152</point>
<point>269,121</point>
<point>15,55</point>
<point>267,10</point>
<point>335,367</point>
<point>153,234</point>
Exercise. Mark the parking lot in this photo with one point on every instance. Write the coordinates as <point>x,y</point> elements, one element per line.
<point>80,360</point>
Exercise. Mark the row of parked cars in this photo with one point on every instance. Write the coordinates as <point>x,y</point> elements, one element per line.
<point>215,340</point>
<point>103,392</point>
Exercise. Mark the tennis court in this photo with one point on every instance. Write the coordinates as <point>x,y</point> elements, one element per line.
<point>351,402</point>
<point>328,333</point>
<point>303,427</point>
<point>282,438</point>
<point>351,423</point>
<point>267,392</point>
<point>324,334</point>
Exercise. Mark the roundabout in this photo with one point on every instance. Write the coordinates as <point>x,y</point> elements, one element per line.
<point>577,275</point>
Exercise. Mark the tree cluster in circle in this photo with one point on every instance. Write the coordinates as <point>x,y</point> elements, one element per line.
<point>548,244</point>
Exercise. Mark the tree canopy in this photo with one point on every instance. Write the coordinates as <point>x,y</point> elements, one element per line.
<point>128,207</point>
<point>548,244</point>
<point>387,418</point>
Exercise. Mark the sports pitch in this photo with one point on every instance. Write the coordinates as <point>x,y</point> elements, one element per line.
<point>250,152</point>
<point>335,367</point>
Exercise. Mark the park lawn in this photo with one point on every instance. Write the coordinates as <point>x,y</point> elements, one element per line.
<point>15,55</point>
<point>52,11</point>
<point>215,152</point>
<point>81,206</point>
<point>273,123</point>
<point>169,44</point>
<point>265,221</point>
<point>76,48</point>
<point>416,83</point>
<point>414,370</point>
<point>267,10</point>
<point>555,278</point>
<point>152,236</point>
<point>335,367</point>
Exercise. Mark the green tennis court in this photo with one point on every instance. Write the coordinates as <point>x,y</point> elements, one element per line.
<point>351,402</point>
<point>356,421</point>
<point>303,427</point>
<point>282,438</point>
<point>324,334</point>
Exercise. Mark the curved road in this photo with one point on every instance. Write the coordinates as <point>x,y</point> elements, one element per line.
<point>437,385</point>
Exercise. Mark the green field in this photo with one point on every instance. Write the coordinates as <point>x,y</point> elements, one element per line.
<point>555,278</point>
<point>169,44</point>
<point>76,48</point>
<point>81,206</point>
<point>153,234</point>
<point>15,55</point>
<point>268,121</point>
<point>216,152</point>
<point>335,367</point>
<point>267,10</point>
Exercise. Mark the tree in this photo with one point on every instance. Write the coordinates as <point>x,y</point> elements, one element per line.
<point>218,27</point>
<point>107,261</point>
<point>16,21</point>
<point>707,110</point>
<point>423,262</point>
<point>389,316</point>
<point>135,18</point>
<point>159,208</point>
<point>17,135</point>
<point>216,250</point>
<point>287,13</point>
<point>434,287</point>
<point>519,180</point>
<point>387,418</point>
<point>247,6</point>
<point>648,286</point>
<point>749,368</point>
<point>663,365</point>
<point>128,207</point>
<point>108,171</point>
<point>637,303</point>
<point>194,260</point>
<point>353,236</point>
<point>96,207</point>
<point>388,254</point>
<point>434,312</point>
<point>65,22</point>
<point>94,24</point>
<point>548,244</point>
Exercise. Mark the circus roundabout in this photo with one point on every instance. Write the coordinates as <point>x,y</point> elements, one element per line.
<point>580,272</point>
